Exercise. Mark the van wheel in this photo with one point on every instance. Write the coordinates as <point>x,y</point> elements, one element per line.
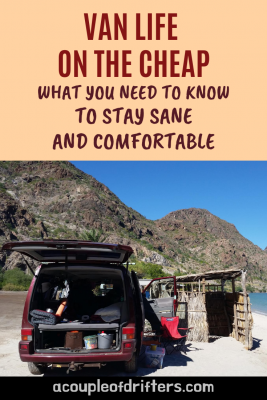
<point>36,369</point>
<point>132,364</point>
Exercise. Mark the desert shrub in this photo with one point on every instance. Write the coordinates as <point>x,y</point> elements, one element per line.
<point>148,245</point>
<point>168,257</point>
<point>250,288</point>
<point>16,278</point>
<point>14,288</point>
<point>178,273</point>
<point>154,271</point>
<point>147,270</point>
<point>93,235</point>
<point>9,225</point>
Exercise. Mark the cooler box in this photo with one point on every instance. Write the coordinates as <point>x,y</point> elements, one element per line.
<point>154,358</point>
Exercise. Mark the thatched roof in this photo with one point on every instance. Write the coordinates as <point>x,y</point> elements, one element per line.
<point>210,275</point>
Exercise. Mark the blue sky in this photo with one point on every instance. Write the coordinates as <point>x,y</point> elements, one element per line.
<point>235,191</point>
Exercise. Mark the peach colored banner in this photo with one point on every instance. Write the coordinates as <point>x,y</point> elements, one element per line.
<point>142,80</point>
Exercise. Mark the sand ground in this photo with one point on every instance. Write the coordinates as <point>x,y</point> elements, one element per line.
<point>221,357</point>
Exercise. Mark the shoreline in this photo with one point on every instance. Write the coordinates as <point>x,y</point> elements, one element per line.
<point>258,313</point>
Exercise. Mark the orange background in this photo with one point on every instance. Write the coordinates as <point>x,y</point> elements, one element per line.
<point>33,33</point>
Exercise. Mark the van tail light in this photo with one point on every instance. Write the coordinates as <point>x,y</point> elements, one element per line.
<point>128,333</point>
<point>26,334</point>
<point>128,345</point>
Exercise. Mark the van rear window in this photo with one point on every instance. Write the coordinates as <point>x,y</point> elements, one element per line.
<point>79,255</point>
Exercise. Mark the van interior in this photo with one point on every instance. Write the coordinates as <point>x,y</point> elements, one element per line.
<point>95,303</point>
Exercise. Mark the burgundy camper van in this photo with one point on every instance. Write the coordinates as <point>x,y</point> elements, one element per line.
<point>81,293</point>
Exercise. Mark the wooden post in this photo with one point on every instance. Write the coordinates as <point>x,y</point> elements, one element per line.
<point>235,313</point>
<point>243,283</point>
<point>204,289</point>
<point>224,307</point>
<point>192,288</point>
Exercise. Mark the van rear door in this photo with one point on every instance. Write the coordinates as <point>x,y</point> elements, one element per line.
<point>71,251</point>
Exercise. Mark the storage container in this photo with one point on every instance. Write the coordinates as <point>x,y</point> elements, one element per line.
<point>105,340</point>
<point>154,358</point>
<point>74,340</point>
<point>90,342</point>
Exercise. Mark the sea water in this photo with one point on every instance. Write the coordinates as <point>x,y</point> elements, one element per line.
<point>258,302</point>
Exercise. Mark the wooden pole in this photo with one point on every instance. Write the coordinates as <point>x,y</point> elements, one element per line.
<point>204,289</point>
<point>224,307</point>
<point>235,314</point>
<point>243,283</point>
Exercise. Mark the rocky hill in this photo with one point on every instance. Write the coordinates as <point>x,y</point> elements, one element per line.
<point>57,200</point>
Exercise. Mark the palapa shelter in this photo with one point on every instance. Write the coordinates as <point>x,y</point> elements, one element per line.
<point>212,311</point>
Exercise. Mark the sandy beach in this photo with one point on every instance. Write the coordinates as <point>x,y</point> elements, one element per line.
<point>223,356</point>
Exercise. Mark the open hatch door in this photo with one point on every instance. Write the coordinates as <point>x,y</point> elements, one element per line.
<point>71,250</point>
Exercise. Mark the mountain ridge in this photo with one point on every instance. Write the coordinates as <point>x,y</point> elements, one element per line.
<point>56,199</point>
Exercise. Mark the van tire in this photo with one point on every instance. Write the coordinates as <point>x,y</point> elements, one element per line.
<point>36,369</point>
<point>132,364</point>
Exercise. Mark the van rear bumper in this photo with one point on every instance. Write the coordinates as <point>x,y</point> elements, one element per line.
<point>125,354</point>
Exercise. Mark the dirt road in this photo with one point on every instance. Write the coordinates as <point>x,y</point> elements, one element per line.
<point>222,357</point>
